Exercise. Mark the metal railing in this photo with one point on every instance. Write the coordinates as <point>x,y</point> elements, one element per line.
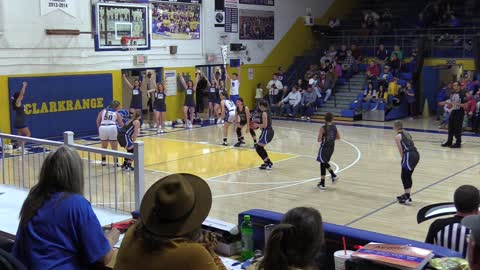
<point>440,42</point>
<point>106,185</point>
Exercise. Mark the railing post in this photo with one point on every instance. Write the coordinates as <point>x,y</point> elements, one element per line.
<point>2,144</point>
<point>139,172</point>
<point>68,138</point>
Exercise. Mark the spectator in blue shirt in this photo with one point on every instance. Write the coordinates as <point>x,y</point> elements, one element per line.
<point>58,228</point>
<point>385,77</point>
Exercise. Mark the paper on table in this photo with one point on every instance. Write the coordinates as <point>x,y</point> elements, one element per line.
<point>229,262</point>
<point>120,239</point>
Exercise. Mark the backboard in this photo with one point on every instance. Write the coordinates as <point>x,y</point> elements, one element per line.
<point>116,20</point>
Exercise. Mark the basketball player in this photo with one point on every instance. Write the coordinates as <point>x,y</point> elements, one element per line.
<point>189,105</point>
<point>19,120</point>
<point>107,121</point>
<point>242,118</point>
<point>221,88</point>
<point>326,137</point>
<point>125,114</point>
<point>228,113</point>
<point>234,84</point>
<point>127,136</point>
<point>136,103</point>
<point>159,106</point>
<point>213,99</point>
<point>266,136</point>
<point>410,159</point>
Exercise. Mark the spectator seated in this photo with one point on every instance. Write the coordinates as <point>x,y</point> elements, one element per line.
<point>334,234</point>
<point>291,103</point>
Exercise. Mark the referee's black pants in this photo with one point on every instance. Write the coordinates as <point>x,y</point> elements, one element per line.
<point>455,126</point>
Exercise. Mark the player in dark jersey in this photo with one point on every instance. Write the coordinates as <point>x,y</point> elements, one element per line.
<point>410,159</point>
<point>159,106</point>
<point>213,99</point>
<point>242,118</point>
<point>221,89</point>
<point>128,135</point>
<point>19,120</point>
<point>136,103</point>
<point>189,105</point>
<point>267,134</point>
<point>326,137</point>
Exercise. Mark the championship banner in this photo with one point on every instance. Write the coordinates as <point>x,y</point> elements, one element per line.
<point>224,54</point>
<point>67,6</point>
<point>55,104</point>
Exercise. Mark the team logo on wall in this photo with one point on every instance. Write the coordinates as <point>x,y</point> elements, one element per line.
<point>219,18</point>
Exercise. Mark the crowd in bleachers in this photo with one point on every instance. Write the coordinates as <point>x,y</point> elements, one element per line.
<point>438,13</point>
<point>469,89</point>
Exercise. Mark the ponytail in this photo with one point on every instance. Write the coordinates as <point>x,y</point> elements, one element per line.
<point>327,133</point>
<point>281,251</point>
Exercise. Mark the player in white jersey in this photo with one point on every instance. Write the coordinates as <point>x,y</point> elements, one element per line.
<point>107,121</point>
<point>234,84</point>
<point>228,114</point>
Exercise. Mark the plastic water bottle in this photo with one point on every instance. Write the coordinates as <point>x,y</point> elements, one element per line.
<point>247,238</point>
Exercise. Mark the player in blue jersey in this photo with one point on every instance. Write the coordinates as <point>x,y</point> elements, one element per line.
<point>128,135</point>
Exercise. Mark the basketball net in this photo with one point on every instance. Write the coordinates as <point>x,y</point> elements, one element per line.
<point>224,54</point>
<point>128,44</point>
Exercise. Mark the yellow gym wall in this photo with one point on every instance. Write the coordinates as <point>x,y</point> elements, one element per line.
<point>467,63</point>
<point>4,105</point>
<point>5,98</point>
<point>175,103</point>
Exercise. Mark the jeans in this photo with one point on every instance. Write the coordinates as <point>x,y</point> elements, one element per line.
<point>290,109</point>
<point>327,93</point>
<point>308,109</point>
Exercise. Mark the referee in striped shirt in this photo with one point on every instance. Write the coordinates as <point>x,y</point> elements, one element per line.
<point>455,122</point>
<point>449,232</point>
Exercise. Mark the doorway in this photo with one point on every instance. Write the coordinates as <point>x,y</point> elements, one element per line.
<point>149,78</point>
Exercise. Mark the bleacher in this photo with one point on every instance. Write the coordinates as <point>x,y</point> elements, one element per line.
<point>437,42</point>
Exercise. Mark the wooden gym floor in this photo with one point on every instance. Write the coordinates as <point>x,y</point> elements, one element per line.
<point>367,161</point>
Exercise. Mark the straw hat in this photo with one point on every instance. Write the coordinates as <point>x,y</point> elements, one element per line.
<point>176,205</point>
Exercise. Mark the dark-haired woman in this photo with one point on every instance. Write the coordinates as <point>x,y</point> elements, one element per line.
<point>58,228</point>
<point>267,134</point>
<point>296,243</point>
<point>107,121</point>
<point>242,118</point>
<point>137,102</point>
<point>213,99</point>
<point>159,106</point>
<point>189,105</point>
<point>128,135</point>
<point>19,120</point>
<point>326,137</point>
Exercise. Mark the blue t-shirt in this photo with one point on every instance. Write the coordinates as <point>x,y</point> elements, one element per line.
<point>64,234</point>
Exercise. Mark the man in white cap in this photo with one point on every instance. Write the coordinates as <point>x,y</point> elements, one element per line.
<point>473,253</point>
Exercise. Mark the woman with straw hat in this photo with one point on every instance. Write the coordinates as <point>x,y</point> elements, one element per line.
<point>168,235</point>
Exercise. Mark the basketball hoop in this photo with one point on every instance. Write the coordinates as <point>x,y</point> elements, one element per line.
<point>129,44</point>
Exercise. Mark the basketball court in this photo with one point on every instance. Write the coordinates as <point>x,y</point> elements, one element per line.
<point>366,159</point>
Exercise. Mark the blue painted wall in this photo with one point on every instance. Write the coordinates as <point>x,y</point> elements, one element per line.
<point>55,104</point>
